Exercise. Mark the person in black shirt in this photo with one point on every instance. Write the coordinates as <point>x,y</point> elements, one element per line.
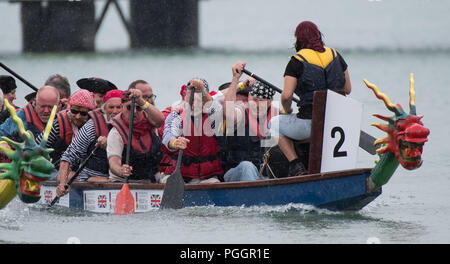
<point>313,68</point>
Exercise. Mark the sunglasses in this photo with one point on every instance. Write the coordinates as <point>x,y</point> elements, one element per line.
<point>75,112</point>
<point>146,97</point>
<point>138,108</point>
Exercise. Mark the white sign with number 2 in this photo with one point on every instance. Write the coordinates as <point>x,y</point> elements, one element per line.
<point>341,132</point>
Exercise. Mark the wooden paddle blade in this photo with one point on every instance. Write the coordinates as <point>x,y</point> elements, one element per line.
<point>124,201</point>
<point>173,196</point>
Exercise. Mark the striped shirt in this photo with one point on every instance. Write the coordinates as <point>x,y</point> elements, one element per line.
<point>76,152</point>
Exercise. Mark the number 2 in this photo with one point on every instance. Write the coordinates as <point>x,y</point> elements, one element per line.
<point>336,152</point>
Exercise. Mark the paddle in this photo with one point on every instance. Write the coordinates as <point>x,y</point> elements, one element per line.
<point>80,168</point>
<point>365,140</point>
<point>18,77</point>
<point>124,199</point>
<point>173,194</point>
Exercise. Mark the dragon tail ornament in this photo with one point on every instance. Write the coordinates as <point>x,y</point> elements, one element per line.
<point>405,138</point>
<point>30,163</point>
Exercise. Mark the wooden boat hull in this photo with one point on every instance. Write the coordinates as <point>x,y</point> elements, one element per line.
<point>341,190</point>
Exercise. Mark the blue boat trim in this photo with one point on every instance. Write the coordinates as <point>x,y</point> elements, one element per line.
<point>340,190</point>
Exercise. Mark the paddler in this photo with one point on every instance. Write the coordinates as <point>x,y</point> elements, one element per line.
<point>242,143</point>
<point>68,123</point>
<point>93,133</point>
<point>146,153</point>
<point>34,115</point>
<point>200,160</point>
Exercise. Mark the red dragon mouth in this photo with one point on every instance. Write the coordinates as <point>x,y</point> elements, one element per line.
<point>410,152</point>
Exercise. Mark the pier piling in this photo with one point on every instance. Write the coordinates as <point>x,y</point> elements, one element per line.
<point>60,26</point>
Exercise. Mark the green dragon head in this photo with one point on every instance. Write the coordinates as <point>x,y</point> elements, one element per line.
<point>30,163</point>
<point>406,134</point>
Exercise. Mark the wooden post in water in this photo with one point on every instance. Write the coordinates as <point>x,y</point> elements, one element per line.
<point>49,26</point>
<point>164,24</point>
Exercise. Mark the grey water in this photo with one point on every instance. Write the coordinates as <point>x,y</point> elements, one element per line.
<point>382,41</point>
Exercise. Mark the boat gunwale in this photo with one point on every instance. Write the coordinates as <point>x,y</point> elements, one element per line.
<point>221,185</point>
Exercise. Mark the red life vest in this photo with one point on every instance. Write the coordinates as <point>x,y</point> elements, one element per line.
<point>33,118</point>
<point>99,162</point>
<point>146,154</point>
<point>200,158</point>
<point>166,159</point>
<point>65,137</point>
<point>165,113</point>
<point>141,145</point>
<point>101,128</point>
<point>65,127</point>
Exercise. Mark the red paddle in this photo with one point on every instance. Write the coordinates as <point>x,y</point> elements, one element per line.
<point>124,199</point>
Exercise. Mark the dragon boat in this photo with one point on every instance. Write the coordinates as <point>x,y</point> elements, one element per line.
<point>333,181</point>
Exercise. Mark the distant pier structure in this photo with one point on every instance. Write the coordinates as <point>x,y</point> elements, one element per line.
<point>63,25</point>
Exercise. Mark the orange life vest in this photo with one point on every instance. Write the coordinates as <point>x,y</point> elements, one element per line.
<point>101,128</point>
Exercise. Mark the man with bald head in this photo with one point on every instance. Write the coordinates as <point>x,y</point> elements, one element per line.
<point>34,115</point>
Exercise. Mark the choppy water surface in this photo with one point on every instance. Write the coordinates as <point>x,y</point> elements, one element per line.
<point>414,206</point>
<point>283,224</point>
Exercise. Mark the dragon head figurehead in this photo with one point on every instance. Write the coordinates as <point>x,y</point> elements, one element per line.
<point>406,134</point>
<point>30,163</point>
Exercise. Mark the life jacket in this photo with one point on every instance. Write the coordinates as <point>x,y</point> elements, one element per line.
<point>101,127</point>
<point>201,157</point>
<point>235,148</point>
<point>99,161</point>
<point>65,137</point>
<point>146,152</point>
<point>166,159</point>
<point>65,127</point>
<point>165,113</point>
<point>321,71</point>
<point>35,124</point>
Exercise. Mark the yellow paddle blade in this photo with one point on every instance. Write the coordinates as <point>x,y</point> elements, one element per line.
<point>49,125</point>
